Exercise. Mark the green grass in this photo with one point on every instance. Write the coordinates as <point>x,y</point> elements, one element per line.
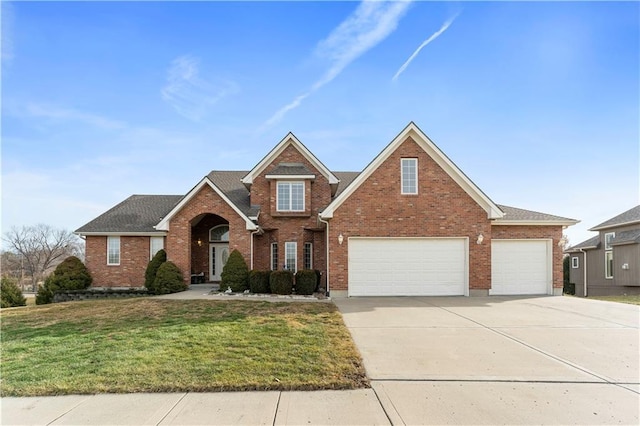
<point>631,299</point>
<point>152,345</point>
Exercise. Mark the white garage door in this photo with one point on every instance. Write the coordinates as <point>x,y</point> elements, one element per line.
<point>520,267</point>
<point>407,266</point>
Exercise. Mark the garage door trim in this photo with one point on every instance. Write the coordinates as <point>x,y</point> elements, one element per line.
<point>464,240</point>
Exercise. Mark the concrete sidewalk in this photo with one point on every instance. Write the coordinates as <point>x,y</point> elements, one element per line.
<point>355,407</point>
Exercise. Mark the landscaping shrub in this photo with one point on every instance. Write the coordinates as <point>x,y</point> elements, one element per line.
<point>281,282</point>
<point>259,281</point>
<point>71,274</point>
<point>306,281</point>
<point>152,269</point>
<point>168,279</point>
<point>235,274</point>
<point>10,294</point>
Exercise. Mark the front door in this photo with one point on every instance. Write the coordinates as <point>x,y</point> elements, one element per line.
<point>218,256</point>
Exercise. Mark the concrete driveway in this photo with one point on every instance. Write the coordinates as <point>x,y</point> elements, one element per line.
<point>500,360</point>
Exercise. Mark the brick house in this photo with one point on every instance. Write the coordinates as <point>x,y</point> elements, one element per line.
<point>411,223</point>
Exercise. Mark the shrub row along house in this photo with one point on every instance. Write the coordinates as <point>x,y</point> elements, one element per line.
<point>608,263</point>
<point>411,223</point>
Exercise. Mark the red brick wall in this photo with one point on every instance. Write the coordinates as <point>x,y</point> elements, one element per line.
<point>290,227</point>
<point>441,209</point>
<point>179,242</point>
<point>134,258</point>
<point>526,232</point>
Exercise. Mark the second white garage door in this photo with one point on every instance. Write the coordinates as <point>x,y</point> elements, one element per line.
<point>520,267</point>
<point>408,266</point>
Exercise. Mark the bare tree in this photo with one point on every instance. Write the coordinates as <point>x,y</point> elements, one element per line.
<point>41,247</point>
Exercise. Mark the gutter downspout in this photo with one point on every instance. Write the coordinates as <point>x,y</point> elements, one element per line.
<point>584,279</point>
<point>326,222</point>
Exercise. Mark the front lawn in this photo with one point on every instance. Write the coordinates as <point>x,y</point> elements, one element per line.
<point>152,345</point>
<point>631,299</point>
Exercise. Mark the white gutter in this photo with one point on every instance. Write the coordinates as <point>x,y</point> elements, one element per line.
<point>584,279</point>
<point>327,246</point>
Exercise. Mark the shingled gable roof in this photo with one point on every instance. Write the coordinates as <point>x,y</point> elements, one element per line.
<point>290,139</point>
<point>136,215</point>
<point>492,209</point>
<point>629,217</point>
<point>206,181</point>
<point>591,243</point>
<point>516,216</point>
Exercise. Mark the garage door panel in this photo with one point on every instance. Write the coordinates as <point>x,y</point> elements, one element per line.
<point>407,266</point>
<point>520,267</point>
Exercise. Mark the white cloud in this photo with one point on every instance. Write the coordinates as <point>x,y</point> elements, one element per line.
<point>424,43</point>
<point>189,94</point>
<point>57,113</point>
<point>368,25</point>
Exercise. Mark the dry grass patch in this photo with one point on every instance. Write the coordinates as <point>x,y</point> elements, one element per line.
<point>153,345</point>
<point>630,299</point>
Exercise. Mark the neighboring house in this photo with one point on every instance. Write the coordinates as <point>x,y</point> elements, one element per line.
<point>411,223</point>
<point>609,263</point>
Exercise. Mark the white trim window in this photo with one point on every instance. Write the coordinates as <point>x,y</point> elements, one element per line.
<point>113,250</point>
<point>219,233</point>
<point>308,255</point>
<point>575,262</point>
<point>274,256</point>
<point>409,175</point>
<point>155,245</point>
<point>608,238</point>
<point>608,264</point>
<point>290,196</point>
<point>290,256</point>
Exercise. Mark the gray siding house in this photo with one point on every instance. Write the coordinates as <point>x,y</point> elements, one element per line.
<point>609,263</point>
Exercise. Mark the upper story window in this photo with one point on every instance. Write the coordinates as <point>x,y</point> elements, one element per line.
<point>155,245</point>
<point>113,250</point>
<point>219,233</point>
<point>409,173</point>
<point>290,197</point>
<point>608,238</point>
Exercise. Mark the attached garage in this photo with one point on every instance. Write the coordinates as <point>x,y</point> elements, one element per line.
<point>521,267</point>
<point>408,266</point>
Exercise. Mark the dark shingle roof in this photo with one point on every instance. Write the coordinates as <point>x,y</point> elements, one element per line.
<point>628,217</point>
<point>230,184</point>
<point>290,169</point>
<point>138,213</point>
<point>345,180</point>
<point>514,213</point>
<point>593,242</point>
<point>626,237</point>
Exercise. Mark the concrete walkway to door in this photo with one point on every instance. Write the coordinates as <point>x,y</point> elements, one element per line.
<point>499,360</point>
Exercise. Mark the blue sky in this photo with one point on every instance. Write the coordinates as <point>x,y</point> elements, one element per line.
<point>538,103</point>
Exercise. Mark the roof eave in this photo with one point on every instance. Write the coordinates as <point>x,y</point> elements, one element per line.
<point>617,225</point>
<point>119,233</point>
<point>507,222</point>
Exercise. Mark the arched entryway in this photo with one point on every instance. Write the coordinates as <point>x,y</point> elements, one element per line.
<point>218,250</point>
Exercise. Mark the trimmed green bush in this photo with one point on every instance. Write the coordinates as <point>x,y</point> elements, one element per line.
<point>71,274</point>
<point>306,281</point>
<point>10,294</point>
<point>235,274</point>
<point>281,282</point>
<point>152,269</point>
<point>259,281</point>
<point>168,279</point>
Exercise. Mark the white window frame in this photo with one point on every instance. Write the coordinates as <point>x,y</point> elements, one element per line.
<point>155,248</point>
<point>575,262</point>
<point>222,240</point>
<point>274,256</point>
<point>308,250</point>
<point>291,248</point>
<point>407,162</point>
<point>608,260</point>
<point>607,240</point>
<point>113,246</point>
<point>289,185</point>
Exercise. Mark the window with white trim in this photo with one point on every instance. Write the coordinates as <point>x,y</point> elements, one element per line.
<point>219,233</point>
<point>308,255</point>
<point>274,256</point>
<point>155,245</point>
<point>113,250</point>
<point>608,264</point>
<point>575,263</point>
<point>409,174</point>
<point>608,238</point>
<point>290,256</point>
<point>290,196</point>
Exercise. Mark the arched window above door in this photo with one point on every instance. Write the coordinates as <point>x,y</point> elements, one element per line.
<point>219,233</point>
